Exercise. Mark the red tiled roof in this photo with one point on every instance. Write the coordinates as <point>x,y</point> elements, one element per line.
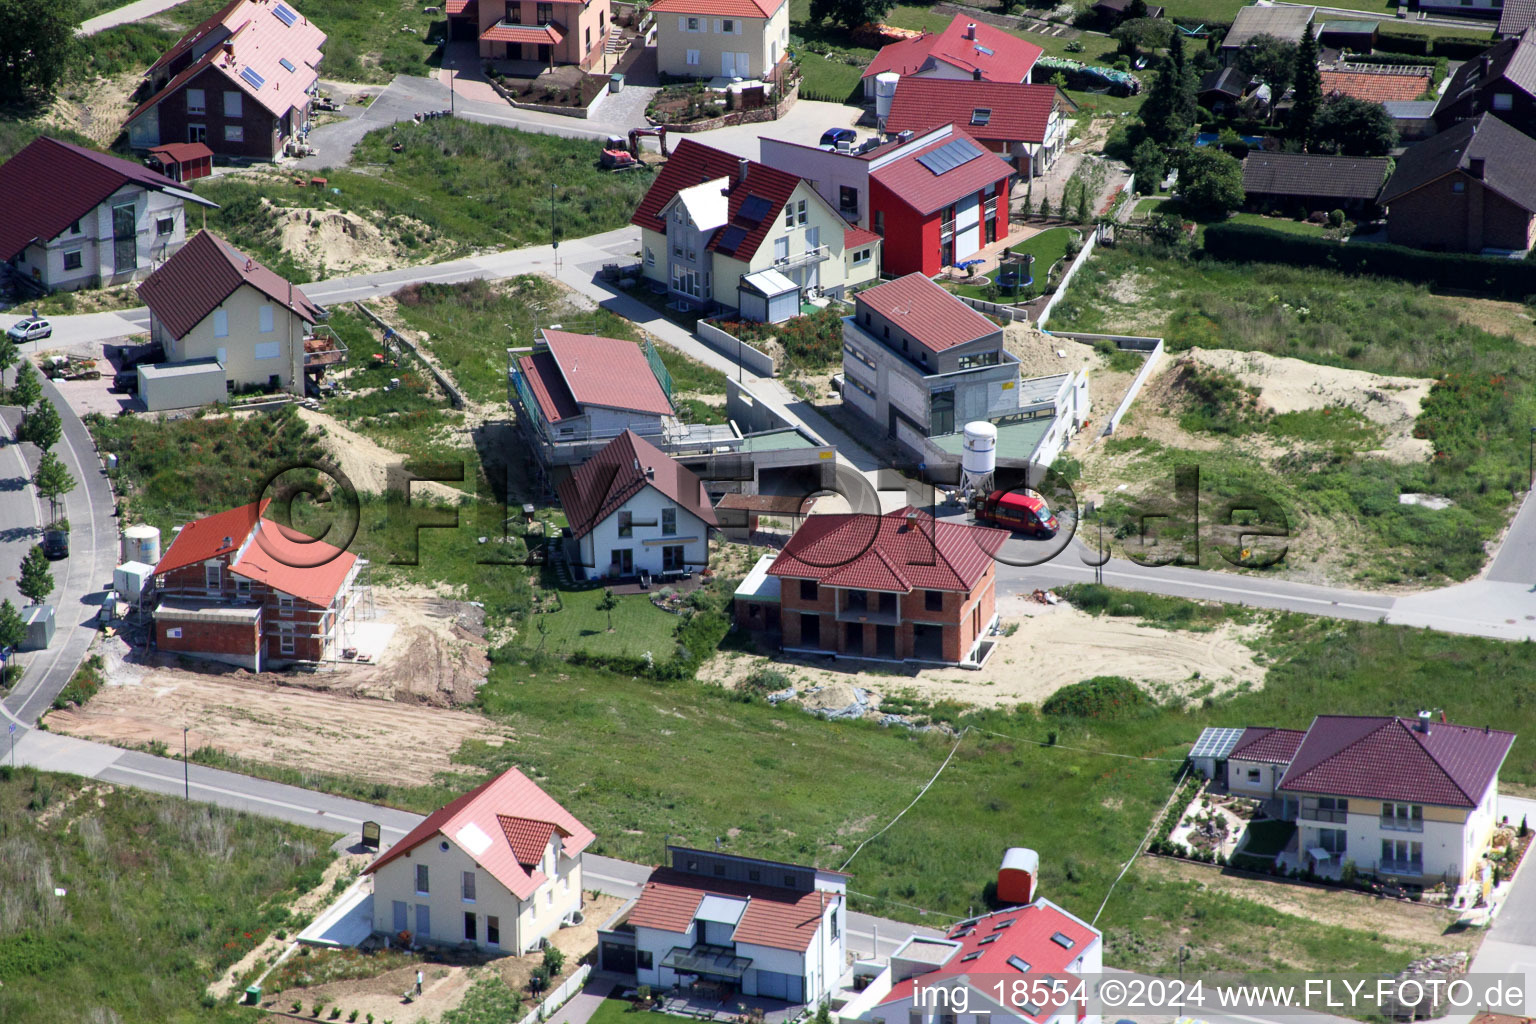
<point>927,192</point>
<point>543,376</point>
<point>542,34</point>
<point>511,794</point>
<point>1262,743</point>
<point>1382,88</point>
<point>454,8</point>
<point>932,316</point>
<point>288,561</point>
<point>1010,58</point>
<point>1029,936</point>
<point>720,8</point>
<point>618,472</point>
<point>1377,758</point>
<point>183,152</point>
<point>776,918</point>
<point>211,536</point>
<point>855,235</point>
<point>50,184</point>
<point>205,272</point>
<point>1017,112</point>
<point>528,838</point>
<point>889,553</point>
<point>609,372</point>
<point>693,163</point>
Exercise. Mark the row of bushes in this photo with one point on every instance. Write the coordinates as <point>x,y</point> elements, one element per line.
<point>1451,47</point>
<point>1512,280</point>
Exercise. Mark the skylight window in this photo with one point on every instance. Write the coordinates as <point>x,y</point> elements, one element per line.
<point>981,115</point>
<point>1004,924</point>
<point>1064,941</point>
<point>289,67</point>
<point>1033,1009</point>
<point>989,938</point>
<point>1019,964</point>
<point>962,933</point>
<point>971,956</point>
<point>285,14</point>
<point>987,50</point>
<point>252,76</point>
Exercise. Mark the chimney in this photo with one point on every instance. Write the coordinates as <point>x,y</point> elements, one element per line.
<point>1475,167</point>
<point>1482,65</point>
<point>970,31</point>
<point>1424,722</point>
<point>976,75</point>
<point>228,541</point>
<point>650,472</point>
<point>742,166</point>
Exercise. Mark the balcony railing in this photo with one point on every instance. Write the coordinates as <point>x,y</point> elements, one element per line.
<point>1402,824</point>
<point>1332,817</point>
<point>817,255</point>
<point>323,348</point>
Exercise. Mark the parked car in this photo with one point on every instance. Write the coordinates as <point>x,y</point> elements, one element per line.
<point>832,136</point>
<point>126,381</point>
<point>55,543</point>
<point>1022,513</point>
<point>31,328</point>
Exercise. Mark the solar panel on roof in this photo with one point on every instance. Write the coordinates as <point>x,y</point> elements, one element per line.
<point>754,209</point>
<point>952,154</point>
<point>284,62</point>
<point>733,237</point>
<point>971,956</point>
<point>253,77</point>
<point>1216,742</point>
<point>285,15</point>
<point>990,938</point>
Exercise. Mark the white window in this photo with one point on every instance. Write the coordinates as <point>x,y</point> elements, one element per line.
<point>74,229</point>
<point>285,604</point>
<point>232,105</point>
<point>469,887</point>
<point>688,24</point>
<point>243,587</point>
<point>267,325</point>
<point>165,225</point>
<point>173,633</point>
<point>234,133</point>
<point>800,211</point>
<point>267,350</point>
<point>422,879</point>
<point>197,102</point>
<point>693,58</point>
<point>221,325</point>
<point>1503,100</point>
<point>781,248</point>
<point>73,260</point>
<point>213,576</point>
<point>285,644</point>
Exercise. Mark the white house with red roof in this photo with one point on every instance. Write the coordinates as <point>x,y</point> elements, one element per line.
<point>632,510</point>
<point>238,588</point>
<point>499,868</point>
<point>715,925</point>
<point>964,50</point>
<point>745,39</point>
<point>1024,123</point>
<point>1033,964</point>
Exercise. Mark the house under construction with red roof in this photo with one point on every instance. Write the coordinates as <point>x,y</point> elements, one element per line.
<point>238,588</point>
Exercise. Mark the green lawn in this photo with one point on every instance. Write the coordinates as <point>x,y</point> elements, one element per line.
<point>833,81</point>
<point>159,896</point>
<point>1285,225</point>
<point>577,624</point>
<point>1047,247</point>
<point>455,187</point>
<point>613,1011</point>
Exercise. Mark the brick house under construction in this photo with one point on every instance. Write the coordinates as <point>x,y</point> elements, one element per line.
<point>238,588</point>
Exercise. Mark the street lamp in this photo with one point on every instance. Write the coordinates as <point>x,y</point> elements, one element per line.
<point>1183,955</point>
<point>1533,456</point>
<point>186,771</point>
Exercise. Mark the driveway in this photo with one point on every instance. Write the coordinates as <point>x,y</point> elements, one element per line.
<point>803,123</point>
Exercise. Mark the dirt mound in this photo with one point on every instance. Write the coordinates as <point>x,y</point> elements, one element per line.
<point>1037,351</point>
<point>365,462</point>
<point>343,242</point>
<point>1292,385</point>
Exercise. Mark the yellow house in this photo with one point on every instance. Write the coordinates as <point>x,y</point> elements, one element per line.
<point>212,302</point>
<point>731,38</point>
<point>723,231</point>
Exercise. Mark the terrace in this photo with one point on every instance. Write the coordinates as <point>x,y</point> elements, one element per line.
<point>323,348</point>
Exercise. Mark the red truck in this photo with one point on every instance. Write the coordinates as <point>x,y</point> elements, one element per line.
<point>1022,513</point>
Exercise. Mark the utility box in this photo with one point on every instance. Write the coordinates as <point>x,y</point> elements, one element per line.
<point>39,622</point>
<point>615,82</point>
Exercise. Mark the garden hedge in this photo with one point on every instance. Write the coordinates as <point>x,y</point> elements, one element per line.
<point>1454,47</point>
<point>1490,276</point>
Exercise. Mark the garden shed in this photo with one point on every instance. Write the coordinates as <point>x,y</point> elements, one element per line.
<point>768,297</point>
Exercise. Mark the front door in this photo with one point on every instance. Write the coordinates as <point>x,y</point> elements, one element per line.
<point>728,64</point>
<point>853,638</point>
<point>624,559</point>
<point>125,238</point>
<point>810,630</point>
<point>544,56</point>
<point>402,916</point>
<point>423,921</point>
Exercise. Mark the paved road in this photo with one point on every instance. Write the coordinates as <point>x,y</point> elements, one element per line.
<point>135,11</point>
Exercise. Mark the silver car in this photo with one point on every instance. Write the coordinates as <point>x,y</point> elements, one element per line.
<point>31,328</point>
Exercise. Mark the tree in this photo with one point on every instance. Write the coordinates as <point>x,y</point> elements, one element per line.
<point>1270,60</point>
<point>1082,203</point>
<point>27,389</point>
<point>1136,35</point>
<point>1149,165</point>
<point>52,481</point>
<point>1354,127</point>
<point>608,604</point>
<point>8,353</point>
<point>849,13</point>
<point>554,960</point>
<point>12,630</point>
<point>1045,206</point>
<point>1170,109</point>
<point>42,426</point>
<point>35,40</point>
<point>1309,89</point>
<point>1136,9</point>
<point>1211,182</point>
<point>36,580</point>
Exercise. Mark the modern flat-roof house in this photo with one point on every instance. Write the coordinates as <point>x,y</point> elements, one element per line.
<point>238,588</point>
<point>965,50</point>
<point>1409,799</point>
<point>975,963</point>
<point>746,39</point>
<point>1284,23</point>
<point>724,232</point>
<point>1471,188</point>
<point>548,33</point>
<point>574,393</point>
<point>240,83</point>
<point>1025,124</point>
<point>635,512</point>
<point>919,364</point>
<point>732,926</point>
<point>935,197</point>
<point>212,302</point>
<point>76,218</point>
<point>896,587</point>
<point>498,869</point>
<point>1501,81</point>
<point>1314,181</point>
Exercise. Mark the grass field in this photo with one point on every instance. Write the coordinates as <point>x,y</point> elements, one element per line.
<point>577,624</point>
<point>1047,247</point>
<point>160,895</point>
<point>1477,414</point>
